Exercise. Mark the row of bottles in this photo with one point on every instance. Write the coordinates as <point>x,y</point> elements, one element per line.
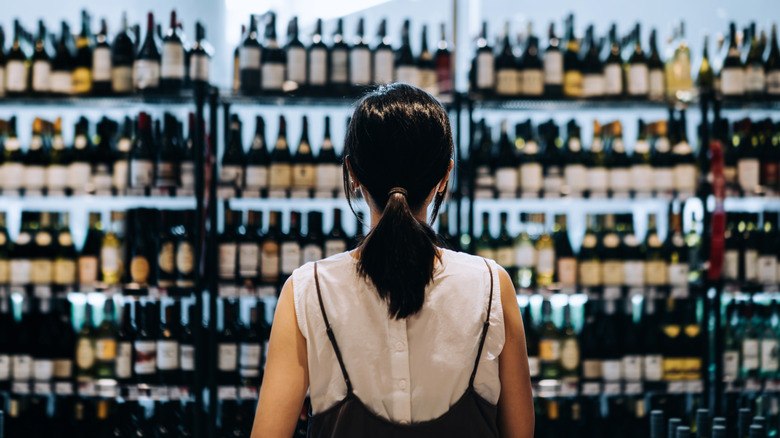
<point>277,173</point>
<point>702,424</point>
<point>750,260</point>
<point>135,157</point>
<point>139,249</point>
<point>91,65</point>
<point>339,69</point>
<point>615,68</point>
<point>751,337</point>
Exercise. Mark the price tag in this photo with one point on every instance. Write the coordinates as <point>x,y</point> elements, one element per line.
<point>158,392</point>
<point>679,292</point>
<point>633,388</point>
<point>694,386</point>
<point>63,388</point>
<point>20,388</point>
<point>42,388</point>
<point>612,388</point>
<point>591,388</point>
<point>227,291</point>
<point>226,393</point>
<point>676,387</point>
<point>248,393</point>
<point>42,291</point>
<point>612,293</point>
<point>107,390</point>
<point>266,291</point>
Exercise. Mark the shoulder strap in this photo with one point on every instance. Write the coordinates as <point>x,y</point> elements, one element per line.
<point>484,328</point>
<point>330,332</point>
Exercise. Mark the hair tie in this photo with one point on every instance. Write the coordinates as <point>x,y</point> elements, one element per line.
<point>395,190</point>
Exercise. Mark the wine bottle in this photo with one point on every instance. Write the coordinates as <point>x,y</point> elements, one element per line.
<point>112,265</point>
<point>611,354</point>
<point>42,250</point>
<point>641,173</point>
<point>65,346</point>
<point>122,60</point>
<point>507,73</point>
<point>146,67</point>
<point>651,334</point>
<point>2,62</point>
<point>406,68</point>
<point>101,63</point>
<point>249,249</point>
<point>506,163</point>
<point>167,171</point>
<point>125,335</point>
<point>750,244</point>
<point>638,78</point>
<point>684,161</point>
<point>632,359</point>
<point>269,250</point>
<point>44,346</point>
<point>21,252</point>
<point>484,175</point>
<point>61,75</point>
<point>88,259</point>
<point>553,66</point>
<point>531,171</point>
<point>172,71</point>
<point>233,160</point>
<point>427,66</point>
<point>187,346</point>
<point>732,80</point>
<point>13,162</point>
<point>505,256</point>
<point>598,174</point>
<point>257,160</point>
<point>613,68</point>
<point>570,349</point>
<point>80,160</point>
<point>549,345</point>
<point>103,156</point>
<point>296,58</point>
<point>611,263</point>
<point>656,268</point>
<point>35,160</point>
<point>318,57</point>
<point>483,72</point>
<point>545,256</point>
<point>280,167</point>
<point>443,63</point>
<point>661,159</point>
<point>185,251</point>
<point>767,257</point>
<point>237,63</point>
<point>360,61</point>
<point>227,345</point>
<point>773,67</point>
<point>589,344</point>
<point>312,245</point>
<point>329,174</point>
<point>656,87</point>
<point>338,65</point>
<point>145,345</point>
<point>272,60</point>
<point>290,247</point>
<point>82,71</point>
<point>748,155</point>
<point>589,263</point>
<point>534,74</point>
<point>228,247</point>
<point>572,67</point>
<point>85,348</point>
<point>594,82</point>
<point>755,76</point>
<point>106,344</point>
<point>304,172</point>
<point>336,240</point>
<point>250,351</point>
<point>551,160</point>
<point>142,248</point>
<point>168,345</point>
<point>575,174</point>
<point>382,57</point>
<point>41,63</point>
<point>16,65</point>
<point>200,57</point>
<point>618,163</point>
<point>142,156</point>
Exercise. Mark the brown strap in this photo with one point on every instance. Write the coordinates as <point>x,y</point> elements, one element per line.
<point>330,333</point>
<point>484,328</point>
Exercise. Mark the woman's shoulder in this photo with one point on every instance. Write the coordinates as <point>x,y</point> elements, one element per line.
<point>464,262</point>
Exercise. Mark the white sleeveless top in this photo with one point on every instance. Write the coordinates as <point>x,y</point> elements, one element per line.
<point>407,370</point>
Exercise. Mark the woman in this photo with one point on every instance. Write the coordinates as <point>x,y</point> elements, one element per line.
<point>399,338</point>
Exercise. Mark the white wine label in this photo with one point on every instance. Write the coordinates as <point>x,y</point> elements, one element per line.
<point>257,176</point>
<point>200,66</point>
<point>328,177</point>
<point>598,179</point>
<point>533,366</point>
<point>64,272</point>
<point>612,272</point>
<point>249,58</point>
<point>296,65</point>
<point>34,177</point>
<point>280,176</point>
<point>576,177</point>
<point>2,81</point>
<point>56,177</point>
<point>383,66</point>
<point>43,369</point>
<point>187,357</point>
<point>41,80</point>
<point>227,260</point>
<point>304,176</point>
<point>61,82</point>
<point>16,76</point>
<point>663,178</point>
<point>231,174</point>
<point>145,362</point>
<point>653,368</point>
<point>290,257</point>
<point>172,61</point>
<point>85,354</point>
<point>731,264</point>
<point>88,269</point>
<point>755,79</point>
<point>638,79</point>
<point>545,260</point>
<point>272,76</point>
<point>590,273</point>
<point>110,259</point>
<point>570,354</point>
<point>553,68</point>
<point>506,180</point>
<point>101,64</point>
<point>656,83</point>
<point>311,253</point>
<point>63,368</point>
<point>123,366</point>
<point>750,354</point>
<point>773,82</point>
<point>13,174</point>
<point>611,370</point>
<point>730,365</point>
<point>147,74</point>
<point>632,368</point>
<point>656,272</point>
<point>122,79</point>
<point>508,82</point>
<point>360,66</point>
<point>613,80</point>
<point>525,256</point>
<point>642,177</point>
<point>573,83</point>
<point>678,274</point>
<point>769,355</point>
<point>767,269</point>
<point>22,366</point>
<point>269,260</point>
<point>748,174</point>
<point>185,258</point>
<point>505,256</point>
<point>338,66</point>
<point>318,67</point>
<point>20,271</point>
<point>79,174</point>
<point>121,174</point>
<point>248,259</point>
<point>409,75</point>
<point>41,271</point>
<point>485,70</point>
<point>567,271</point>
<point>620,179</point>
<point>5,272</point>
<point>533,82</point>
<point>141,173</point>
<point>685,177</point>
<point>593,85</point>
<point>531,178</point>
<point>751,265</point>
<point>430,82</point>
<point>249,356</point>
<point>227,357</point>
<point>549,350</point>
<point>732,81</point>
<point>167,355</point>
<point>591,369</point>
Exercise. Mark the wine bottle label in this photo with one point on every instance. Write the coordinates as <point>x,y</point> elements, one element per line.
<point>5,367</point>
<point>232,174</point>
<point>663,178</point>
<point>748,174</point>
<point>40,76</point>
<point>678,274</point>
<point>166,173</point>
<point>227,260</point>
<point>166,258</point>
<point>508,82</point>
<point>637,79</point>
<point>613,79</point>
<point>531,179</point>
<point>85,354</point>
<point>34,177</point>
<point>186,174</point>
<point>655,272</point>
<point>269,261</point>
<point>79,173</point>
<point>769,353</point>
<point>767,269</point>
<point>5,271</point>
<point>338,66</point>
<point>63,368</point>
<point>56,177</point>
<point>101,64</point>
<point>185,258</point>
<point>549,350</point>
<point>570,354</point>
<point>533,82</point>
<point>620,179</point>
<point>505,256</point>
<point>642,177</point>
<point>88,269</point>
<point>632,368</point>
<point>2,81</point>
<point>41,271</point>
<point>13,174</point>
<point>773,82</point>
<point>43,369</point>
<point>408,74</point>
<point>506,180</point>
<point>64,272</point>
<point>593,85</point>
<point>110,259</point>
<point>280,176</point>
<point>591,369</point>
<point>167,355</point>
<point>545,260</point>
<point>553,181</point>
<point>612,272</point>
<point>290,257</point>
<point>249,58</point>
<point>61,82</point>
<point>101,178</point>
<point>20,271</point>
<point>598,179</point>
<point>730,365</point>
<point>486,253</point>
<point>200,65</point>
<point>21,366</point>
<point>525,256</point>
<point>227,357</point>
<point>122,79</point>
<point>484,178</point>
<point>731,264</point>
<point>573,83</point>
<point>82,80</point>
<point>187,357</point>
<point>334,246</point>
<point>653,368</point>
<point>257,176</point>
<point>576,177</point>
<point>273,76</point>
<point>105,349</point>
<point>750,356</point>
<point>248,259</point>
<point>611,370</point>
<point>123,366</point>
<point>147,74</point>
<point>145,362</point>
<point>311,253</point>
<point>751,264</point>
<point>16,76</point>
<point>755,79</point>
<point>590,273</point>
<point>656,83</point>
<point>121,174</point>
<point>567,271</point>
<point>318,67</point>
<point>141,173</point>
<point>732,81</point>
<point>328,177</point>
<point>360,66</point>
<point>553,68</point>
<point>249,356</point>
<point>485,70</point>
<point>685,177</point>
<point>429,81</point>
<point>172,61</point>
<point>304,176</point>
<point>533,366</point>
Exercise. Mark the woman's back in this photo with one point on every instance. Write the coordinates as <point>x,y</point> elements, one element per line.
<point>405,370</point>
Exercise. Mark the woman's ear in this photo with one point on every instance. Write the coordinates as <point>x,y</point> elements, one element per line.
<point>354,185</point>
<point>443,183</point>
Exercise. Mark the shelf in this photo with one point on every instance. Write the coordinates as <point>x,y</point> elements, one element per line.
<point>95,203</point>
<point>228,97</point>
<point>754,204</point>
<point>99,102</point>
<point>293,204</point>
<point>601,105</point>
<point>571,205</point>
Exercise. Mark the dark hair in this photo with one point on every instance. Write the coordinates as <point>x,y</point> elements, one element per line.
<point>399,137</point>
